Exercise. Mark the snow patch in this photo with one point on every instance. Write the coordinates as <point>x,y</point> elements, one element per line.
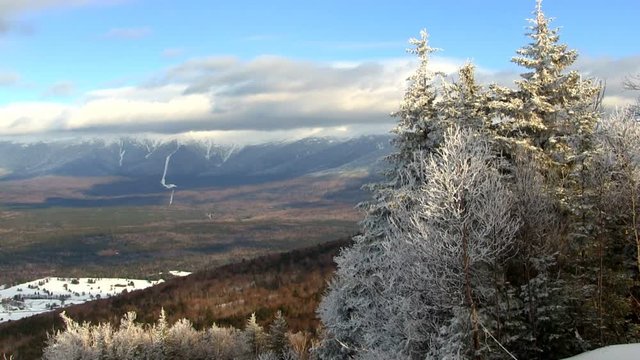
<point>614,352</point>
<point>179,273</point>
<point>42,295</point>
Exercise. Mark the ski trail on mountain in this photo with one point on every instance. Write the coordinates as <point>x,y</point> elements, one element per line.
<point>151,146</point>
<point>163,181</point>
<point>122,152</point>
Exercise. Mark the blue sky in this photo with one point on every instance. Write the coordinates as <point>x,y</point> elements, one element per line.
<point>57,55</point>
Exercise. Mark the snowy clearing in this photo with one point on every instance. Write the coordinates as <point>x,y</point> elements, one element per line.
<point>614,352</point>
<point>42,295</point>
<point>179,273</point>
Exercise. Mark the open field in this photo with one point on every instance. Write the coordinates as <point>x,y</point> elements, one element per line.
<point>203,228</point>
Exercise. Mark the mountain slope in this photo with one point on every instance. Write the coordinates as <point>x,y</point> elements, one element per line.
<point>190,162</point>
<point>292,282</point>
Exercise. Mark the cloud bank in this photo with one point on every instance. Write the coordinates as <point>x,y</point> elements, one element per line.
<point>265,97</point>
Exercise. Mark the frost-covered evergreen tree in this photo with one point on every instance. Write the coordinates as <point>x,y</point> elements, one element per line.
<point>379,304</point>
<point>438,252</point>
<point>418,127</point>
<point>255,337</point>
<point>363,311</point>
<point>159,336</point>
<point>552,112</point>
<point>548,120</point>
<point>465,103</point>
<point>611,260</point>
<point>461,228</point>
<point>353,303</point>
<point>532,302</point>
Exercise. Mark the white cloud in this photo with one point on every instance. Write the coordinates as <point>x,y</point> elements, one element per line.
<point>264,98</point>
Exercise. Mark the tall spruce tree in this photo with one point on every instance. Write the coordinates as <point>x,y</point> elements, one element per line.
<point>369,310</point>
<point>552,112</point>
<point>354,304</point>
<point>548,120</point>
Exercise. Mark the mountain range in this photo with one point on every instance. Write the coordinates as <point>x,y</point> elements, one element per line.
<point>140,163</point>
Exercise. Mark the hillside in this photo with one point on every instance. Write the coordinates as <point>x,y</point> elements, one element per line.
<point>292,282</point>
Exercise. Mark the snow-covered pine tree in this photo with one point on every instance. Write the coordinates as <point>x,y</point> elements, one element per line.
<point>158,336</point>
<point>462,226</point>
<point>549,119</point>
<point>531,301</point>
<point>371,308</point>
<point>553,112</point>
<point>353,305</point>
<point>464,102</point>
<point>614,184</point>
<point>360,311</point>
<point>418,126</point>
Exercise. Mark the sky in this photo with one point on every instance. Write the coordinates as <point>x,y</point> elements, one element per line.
<point>251,71</point>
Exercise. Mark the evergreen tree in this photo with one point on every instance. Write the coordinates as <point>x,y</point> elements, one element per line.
<point>159,336</point>
<point>552,113</point>
<point>418,126</point>
<point>353,303</point>
<point>255,338</point>
<point>549,120</point>
<point>277,339</point>
<point>465,103</point>
<point>462,226</point>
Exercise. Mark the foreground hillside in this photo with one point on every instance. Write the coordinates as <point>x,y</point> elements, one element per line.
<point>292,282</point>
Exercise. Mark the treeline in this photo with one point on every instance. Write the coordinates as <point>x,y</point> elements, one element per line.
<point>162,341</point>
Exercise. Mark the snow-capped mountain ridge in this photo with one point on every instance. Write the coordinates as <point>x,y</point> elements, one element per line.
<point>191,160</point>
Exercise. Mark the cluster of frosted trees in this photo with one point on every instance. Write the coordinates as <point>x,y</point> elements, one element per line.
<point>506,226</point>
<point>135,341</point>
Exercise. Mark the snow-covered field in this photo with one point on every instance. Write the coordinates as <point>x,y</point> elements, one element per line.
<point>614,352</point>
<point>43,295</point>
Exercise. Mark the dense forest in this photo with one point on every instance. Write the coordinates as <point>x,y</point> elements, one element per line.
<point>506,227</point>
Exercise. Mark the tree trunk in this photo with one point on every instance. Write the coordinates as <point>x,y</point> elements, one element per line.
<point>469,296</point>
